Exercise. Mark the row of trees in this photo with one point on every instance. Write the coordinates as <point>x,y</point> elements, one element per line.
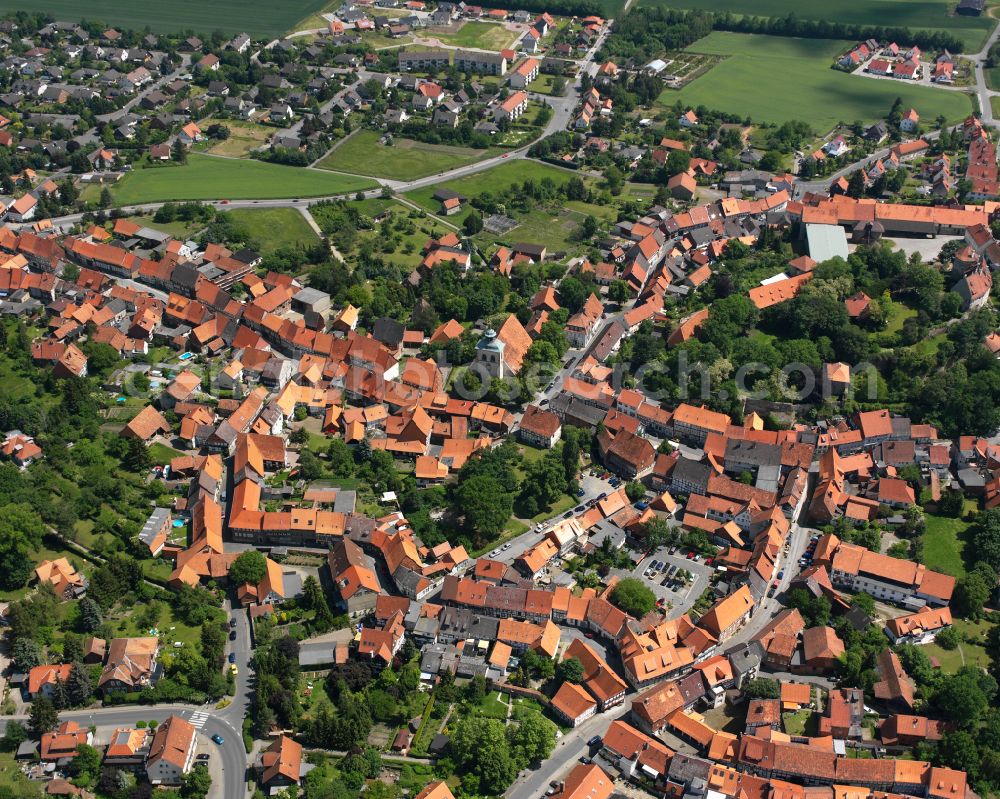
<point>640,36</point>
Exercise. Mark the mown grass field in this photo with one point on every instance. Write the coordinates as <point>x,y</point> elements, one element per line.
<point>776,79</point>
<point>207,178</point>
<point>992,78</point>
<point>481,35</point>
<point>917,14</point>
<point>259,18</point>
<point>243,137</point>
<point>276,227</point>
<point>496,179</point>
<point>405,159</point>
<point>966,654</point>
<point>944,544</point>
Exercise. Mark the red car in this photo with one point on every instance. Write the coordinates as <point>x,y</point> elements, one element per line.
<point>588,635</point>
<point>690,555</point>
<point>709,561</point>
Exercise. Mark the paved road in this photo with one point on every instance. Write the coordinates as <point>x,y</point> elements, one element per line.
<point>983,93</point>
<point>209,721</point>
<point>227,722</point>
<point>569,749</point>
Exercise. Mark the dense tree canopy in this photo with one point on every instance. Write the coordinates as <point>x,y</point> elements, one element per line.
<point>633,596</point>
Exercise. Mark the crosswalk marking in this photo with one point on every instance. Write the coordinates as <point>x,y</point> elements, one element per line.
<point>198,719</point>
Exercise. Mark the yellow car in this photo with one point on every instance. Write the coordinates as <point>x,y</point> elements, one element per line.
<point>233,669</point>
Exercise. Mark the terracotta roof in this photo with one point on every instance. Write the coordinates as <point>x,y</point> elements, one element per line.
<point>436,790</point>
<point>925,620</point>
<point>586,782</point>
<point>172,742</point>
<point>146,424</point>
<point>40,676</point>
<point>727,611</point>
<point>572,701</point>
<point>779,291</point>
<point>283,758</point>
<point>821,642</point>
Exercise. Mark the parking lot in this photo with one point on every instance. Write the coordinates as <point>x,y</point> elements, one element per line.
<point>684,596</point>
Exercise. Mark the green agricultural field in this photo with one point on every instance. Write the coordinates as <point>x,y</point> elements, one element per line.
<point>495,179</point>
<point>776,79</point>
<point>405,159</point>
<point>933,15</point>
<point>272,228</point>
<point>480,35</point>
<point>259,18</point>
<point>208,178</point>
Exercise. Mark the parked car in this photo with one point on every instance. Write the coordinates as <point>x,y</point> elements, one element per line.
<point>232,657</point>
<point>781,574</point>
<point>218,739</point>
<point>232,635</point>
<point>594,741</point>
<point>232,622</point>
<point>580,508</point>
<point>580,492</point>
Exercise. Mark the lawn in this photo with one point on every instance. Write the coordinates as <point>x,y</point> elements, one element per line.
<point>405,159</point>
<point>995,105</point>
<point>243,137</point>
<point>14,780</point>
<point>543,84</point>
<point>178,228</point>
<point>491,706</point>
<point>965,654</point>
<point>898,314</point>
<point>208,178</point>
<point>944,544</point>
<point>272,228</point>
<point>161,454</point>
<point>170,628</point>
<point>992,78</point>
<point>797,722</point>
<point>480,35</point>
<point>933,15</point>
<point>555,227</point>
<point>399,237</point>
<point>259,18</point>
<point>495,179</point>
<point>757,81</point>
